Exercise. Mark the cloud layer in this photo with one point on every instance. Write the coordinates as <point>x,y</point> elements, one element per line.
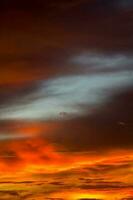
<point>66,93</point>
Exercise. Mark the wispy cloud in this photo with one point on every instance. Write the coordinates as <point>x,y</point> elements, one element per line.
<point>103,61</point>
<point>66,94</point>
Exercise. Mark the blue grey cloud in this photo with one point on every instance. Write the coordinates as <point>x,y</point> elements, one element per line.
<point>66,94</point>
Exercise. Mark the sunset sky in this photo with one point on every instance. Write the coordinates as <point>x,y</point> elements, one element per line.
<point>66,100</point>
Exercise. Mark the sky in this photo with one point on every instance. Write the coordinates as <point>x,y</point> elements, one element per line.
<point>66,100</point>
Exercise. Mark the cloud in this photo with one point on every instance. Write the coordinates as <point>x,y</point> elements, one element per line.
<point>101,129</point>
<point>103,61</point>
<point>5,136</point>
<point>89,199</point>
<point>125,4</point>
<point>69,183</point>
<point>106,186</point>
<point>66,109</point>
<point>56,95</point>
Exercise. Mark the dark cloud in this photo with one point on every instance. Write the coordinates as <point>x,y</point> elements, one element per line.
<point>101,169</point>
<point>105,186</point>
<point>54,199</point>
<point>9,195</point>
<point>57,183</point>
<point>101,130</point>
<point>89,199</point>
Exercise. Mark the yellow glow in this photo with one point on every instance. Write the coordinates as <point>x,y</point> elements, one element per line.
<point>77,196</point>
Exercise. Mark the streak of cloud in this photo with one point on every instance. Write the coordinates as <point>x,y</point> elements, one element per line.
<point>56,96</point>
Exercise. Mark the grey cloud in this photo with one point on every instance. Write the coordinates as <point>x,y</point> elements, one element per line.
<point>103,61</point>
<point>92,91</point>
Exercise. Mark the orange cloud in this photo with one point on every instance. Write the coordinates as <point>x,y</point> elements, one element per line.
<point>87,175</point>
<point>36,155</point>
